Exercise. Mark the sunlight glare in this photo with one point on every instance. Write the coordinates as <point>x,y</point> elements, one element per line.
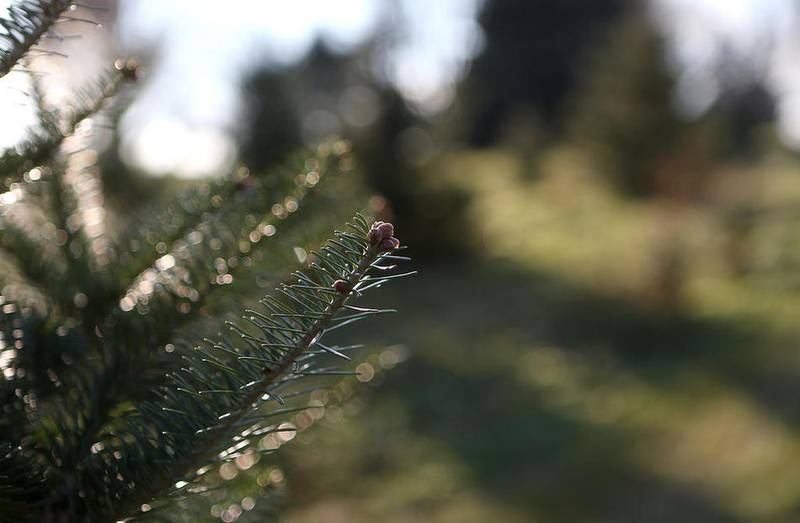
<point>170,146</point>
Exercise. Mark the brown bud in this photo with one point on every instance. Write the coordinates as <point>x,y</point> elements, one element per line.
<point>386,229</point>
<point>380,232</point>
<point>341,286</point>
<point>374,235</point>
<point>129,69</point>
<point>389,244</point>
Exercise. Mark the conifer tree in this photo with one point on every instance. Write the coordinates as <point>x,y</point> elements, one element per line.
<point>123,390</point>
<point>623,112</point>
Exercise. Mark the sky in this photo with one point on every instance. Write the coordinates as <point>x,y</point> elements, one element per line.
<point>763,33</point>
<point>185,118</point>
<point>194,92</point>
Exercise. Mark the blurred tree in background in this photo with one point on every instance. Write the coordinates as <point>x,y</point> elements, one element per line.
<point>271,129</point>
<point>624,111</point>
<point>516,72</point>
<point>329,93</point>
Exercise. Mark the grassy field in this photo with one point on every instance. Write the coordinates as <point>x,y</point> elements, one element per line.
<point>600,359</point>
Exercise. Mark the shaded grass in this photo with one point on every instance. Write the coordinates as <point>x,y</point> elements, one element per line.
<point>529,406</point>
<point>563,377</point>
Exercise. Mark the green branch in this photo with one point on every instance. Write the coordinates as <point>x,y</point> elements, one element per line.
<point>126,354</point>
<point>27,22</point>
<point>45,143</point>
<point>223,386</point>
<point>38,262</point>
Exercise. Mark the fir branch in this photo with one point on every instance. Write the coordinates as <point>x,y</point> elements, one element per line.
<point>23,487</point>
<point>77,266</point>
<point>43,148</point>
<point>27,22</point>
<point>46,141</point>
<point>165,223</point>
<point>224,205</point>
<point>177,282</point>
<point>38,261</point>
<point>127,348</point>
<point>48,119</point>
<point>191,423</point>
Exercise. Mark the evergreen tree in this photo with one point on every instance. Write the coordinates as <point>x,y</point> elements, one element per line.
<point>390,140</point>
<point>119,398</point>
<point>624,113</point>
<point>515,72</point>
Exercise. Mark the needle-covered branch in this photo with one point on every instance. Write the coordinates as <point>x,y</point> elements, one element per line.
<point>46,141</point>
<point>22,484</point>
<point>26,22</point>
<point>233,386</point>
<point>22,245</point>
<point>218,220</point>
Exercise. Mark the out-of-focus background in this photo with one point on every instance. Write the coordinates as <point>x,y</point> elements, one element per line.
<point>602,199</point>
